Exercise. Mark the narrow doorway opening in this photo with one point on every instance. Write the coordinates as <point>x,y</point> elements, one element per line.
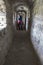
<point>21,18</point>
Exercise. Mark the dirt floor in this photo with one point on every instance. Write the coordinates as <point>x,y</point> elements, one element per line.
<point>21,51</point>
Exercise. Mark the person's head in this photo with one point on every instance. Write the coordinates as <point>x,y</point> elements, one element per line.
<point>20,18</point>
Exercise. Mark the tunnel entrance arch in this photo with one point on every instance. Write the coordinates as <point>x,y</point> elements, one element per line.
<point>24,12</point>
<point>22,15</point>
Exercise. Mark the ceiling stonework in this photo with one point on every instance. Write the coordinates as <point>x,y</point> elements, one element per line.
<point>29,2</point>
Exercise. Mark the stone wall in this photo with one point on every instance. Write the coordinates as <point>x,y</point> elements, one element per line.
<point>37,29</point>
<point>6,37</point>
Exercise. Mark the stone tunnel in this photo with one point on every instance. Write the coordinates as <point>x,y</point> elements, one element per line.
<point>21,45</point>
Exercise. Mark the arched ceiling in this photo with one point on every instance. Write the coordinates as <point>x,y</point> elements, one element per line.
<point>28,2</point>
<point>20,6</point>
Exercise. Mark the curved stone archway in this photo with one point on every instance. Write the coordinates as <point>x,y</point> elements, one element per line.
<point>25,9</point>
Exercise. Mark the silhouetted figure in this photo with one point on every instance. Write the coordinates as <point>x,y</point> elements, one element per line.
<point>20,24</point>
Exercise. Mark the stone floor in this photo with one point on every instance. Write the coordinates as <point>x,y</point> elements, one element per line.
<point>21,51</point>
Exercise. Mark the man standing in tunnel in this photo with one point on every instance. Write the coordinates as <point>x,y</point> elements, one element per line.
<point>20,23</point>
